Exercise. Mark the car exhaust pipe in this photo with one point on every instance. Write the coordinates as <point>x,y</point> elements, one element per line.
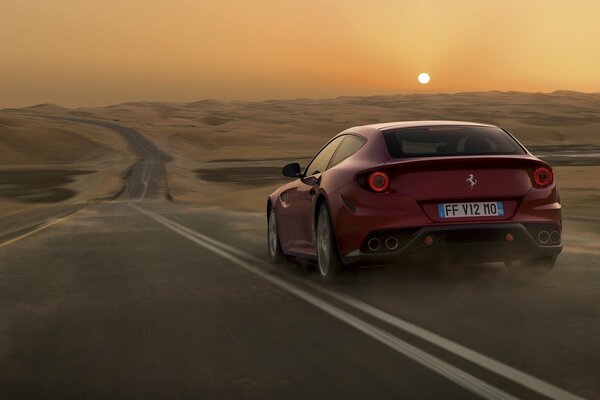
<point>555,237</point>
<point>543,237</point>
<point>374,244</point>
<point>391,243</point>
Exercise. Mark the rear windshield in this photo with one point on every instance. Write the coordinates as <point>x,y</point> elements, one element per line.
<point>436,141</point>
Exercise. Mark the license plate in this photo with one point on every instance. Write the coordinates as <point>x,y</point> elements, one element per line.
<point>480,209</point>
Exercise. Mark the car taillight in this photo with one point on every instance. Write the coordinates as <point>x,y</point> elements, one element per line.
<point>379,181</point>
<point>543,177</point>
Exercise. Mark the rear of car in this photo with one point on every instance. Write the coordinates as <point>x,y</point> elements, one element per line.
<point>465,190</point>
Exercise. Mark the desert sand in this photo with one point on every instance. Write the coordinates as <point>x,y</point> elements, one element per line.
<point>44,160</point>
<point>229,154</point>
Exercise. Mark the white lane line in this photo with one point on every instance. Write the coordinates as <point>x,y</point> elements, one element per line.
<point>145,175</point>
<point>486,362</point>
<point>506,371</point>
<point>439,366</point>
<point>38,229</point>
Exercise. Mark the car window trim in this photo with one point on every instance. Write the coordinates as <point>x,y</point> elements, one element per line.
<point>363,139</point>
<point>319,152</point>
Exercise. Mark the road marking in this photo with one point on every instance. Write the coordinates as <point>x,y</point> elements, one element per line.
<point>499,368</point>
<point>483,361</point>
<point>38,229</point>
<point>443,368</point>
<point>145,174</point>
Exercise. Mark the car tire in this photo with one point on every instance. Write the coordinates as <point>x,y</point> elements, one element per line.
<point>273,243</point>
<point>541,265</point>
<point>328,257</point>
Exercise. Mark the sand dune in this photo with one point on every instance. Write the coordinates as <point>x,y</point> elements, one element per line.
<point>31,140</point>
<point>213,129</point>
<point>44,160</point>
<point>231,137</point>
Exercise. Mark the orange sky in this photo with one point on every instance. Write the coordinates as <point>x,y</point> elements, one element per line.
<point>85,52</point>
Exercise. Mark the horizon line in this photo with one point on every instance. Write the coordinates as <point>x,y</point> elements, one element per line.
<point>283,99</point>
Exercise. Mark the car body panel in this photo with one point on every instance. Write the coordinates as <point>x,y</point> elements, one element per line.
<point>417,186</point>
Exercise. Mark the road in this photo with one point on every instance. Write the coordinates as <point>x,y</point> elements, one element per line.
<point>144,298</point>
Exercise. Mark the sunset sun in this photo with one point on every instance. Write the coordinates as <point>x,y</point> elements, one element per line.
<point>424,78</point>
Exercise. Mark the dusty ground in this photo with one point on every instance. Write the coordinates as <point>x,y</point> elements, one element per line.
<point>44,160</point>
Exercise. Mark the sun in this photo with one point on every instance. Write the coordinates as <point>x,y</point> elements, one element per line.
<point>424,78</point>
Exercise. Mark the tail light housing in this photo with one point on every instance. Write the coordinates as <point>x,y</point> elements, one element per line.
<point>378,181</point>
<point>543,177</point>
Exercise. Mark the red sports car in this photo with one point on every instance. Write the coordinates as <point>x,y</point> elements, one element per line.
<point>428,189</point>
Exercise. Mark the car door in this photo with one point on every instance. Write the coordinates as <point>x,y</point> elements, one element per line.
<point>302,195</point>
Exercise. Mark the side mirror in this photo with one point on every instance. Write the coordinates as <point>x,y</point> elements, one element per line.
<point>292,170</point>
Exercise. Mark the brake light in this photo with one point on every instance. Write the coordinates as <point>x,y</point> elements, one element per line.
<point>379,181</point>
<point>543,177</point>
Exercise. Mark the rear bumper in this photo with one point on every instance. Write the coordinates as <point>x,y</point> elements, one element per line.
<point>473,242</point>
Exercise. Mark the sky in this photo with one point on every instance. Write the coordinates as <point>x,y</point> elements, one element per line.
<point>89,53</point>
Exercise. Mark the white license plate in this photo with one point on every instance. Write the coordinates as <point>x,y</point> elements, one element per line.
<point>480,209</point>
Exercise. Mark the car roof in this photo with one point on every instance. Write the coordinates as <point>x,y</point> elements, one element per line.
<point>376,128</point>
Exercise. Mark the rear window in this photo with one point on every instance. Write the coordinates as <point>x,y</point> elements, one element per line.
<point>438,141</point>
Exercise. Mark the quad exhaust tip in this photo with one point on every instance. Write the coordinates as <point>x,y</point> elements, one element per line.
<point>391,243</point>
<point>546,237</point>
<point>374,244</point>
<point>543,237</point>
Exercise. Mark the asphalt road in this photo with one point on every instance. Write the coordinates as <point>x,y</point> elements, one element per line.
<point>143,298</point>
